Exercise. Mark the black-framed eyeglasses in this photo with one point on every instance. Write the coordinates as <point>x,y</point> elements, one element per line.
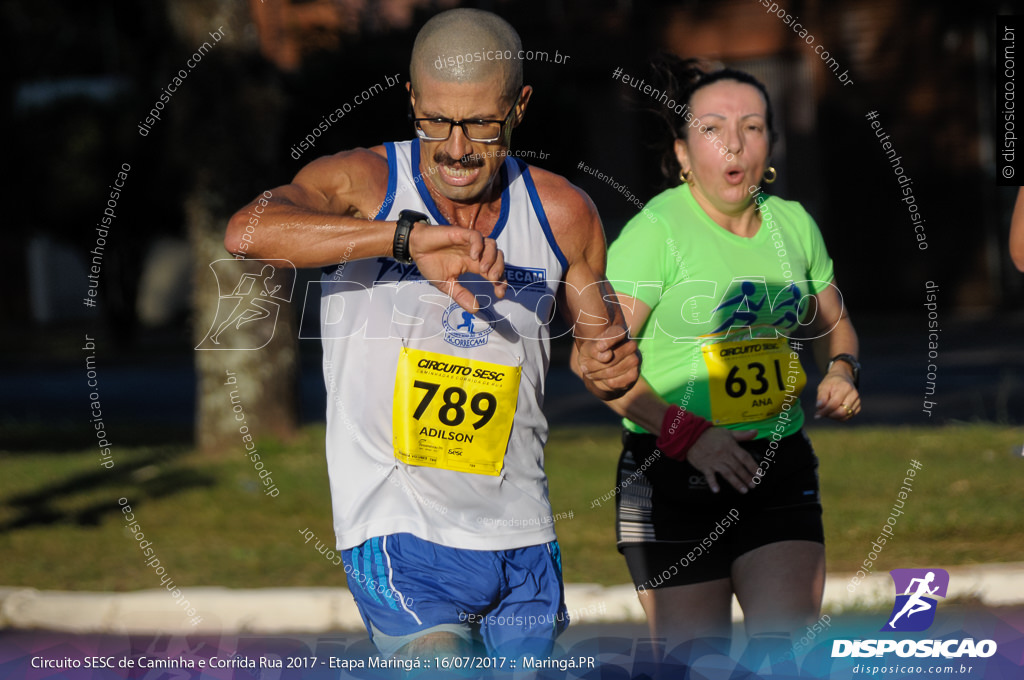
<point>476,130</point>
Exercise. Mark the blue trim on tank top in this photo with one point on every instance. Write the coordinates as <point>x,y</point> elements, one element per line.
<point>389,196</point>
<point>499,226</point>
<point>538,208</point>
<point>428,200</point>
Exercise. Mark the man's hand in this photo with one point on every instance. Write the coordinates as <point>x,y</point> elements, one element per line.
<point>716,452</point>
<point>609,362</point>
<point>442,254</point>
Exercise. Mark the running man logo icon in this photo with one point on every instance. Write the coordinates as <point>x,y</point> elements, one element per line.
<point>915,608</point>
<point>758,303</point>
<point>744,310</point>
<point>464,329</point>
<point>255,298</point>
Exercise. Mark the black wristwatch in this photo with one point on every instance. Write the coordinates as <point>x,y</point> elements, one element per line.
<point>854,364</point>
<point>400,246</point>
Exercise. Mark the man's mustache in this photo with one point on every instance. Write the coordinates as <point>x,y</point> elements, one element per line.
<point>468,161</point>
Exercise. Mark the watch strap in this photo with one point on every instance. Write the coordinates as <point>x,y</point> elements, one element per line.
<point>852,361</point>
<point>400,245</point>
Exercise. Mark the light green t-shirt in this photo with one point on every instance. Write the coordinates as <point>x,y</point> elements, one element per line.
<point>722,307</point>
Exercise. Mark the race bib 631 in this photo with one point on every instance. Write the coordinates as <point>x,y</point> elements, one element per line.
<point>747,379</point>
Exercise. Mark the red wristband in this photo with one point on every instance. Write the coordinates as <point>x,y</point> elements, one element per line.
<point>679,431</point>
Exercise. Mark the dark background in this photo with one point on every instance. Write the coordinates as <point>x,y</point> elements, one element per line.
<point>85,75</point>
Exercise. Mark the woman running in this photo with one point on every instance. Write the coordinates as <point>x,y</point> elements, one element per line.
<point>719,282</point>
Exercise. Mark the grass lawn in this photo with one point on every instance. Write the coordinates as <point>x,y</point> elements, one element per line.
<point>61,526</point>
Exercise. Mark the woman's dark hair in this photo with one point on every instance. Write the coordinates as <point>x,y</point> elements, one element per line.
<point>678,80</point>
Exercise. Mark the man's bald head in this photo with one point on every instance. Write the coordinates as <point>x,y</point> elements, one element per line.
<point>468,46</point>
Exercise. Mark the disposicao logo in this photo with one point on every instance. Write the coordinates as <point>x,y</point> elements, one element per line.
<point>914,611</point>
<point>915,607</point>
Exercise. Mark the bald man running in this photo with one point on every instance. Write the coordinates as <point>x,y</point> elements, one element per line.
<point>444,259</point>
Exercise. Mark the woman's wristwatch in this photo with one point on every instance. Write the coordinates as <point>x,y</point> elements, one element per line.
<point>854,365</point>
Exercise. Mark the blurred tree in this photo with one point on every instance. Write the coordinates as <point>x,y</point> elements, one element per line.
<point>225,120</point>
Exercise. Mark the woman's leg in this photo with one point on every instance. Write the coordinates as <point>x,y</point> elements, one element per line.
<point>780,586</point>
<point>680,613</point>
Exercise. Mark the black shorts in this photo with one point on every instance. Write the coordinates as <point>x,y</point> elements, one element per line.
<point>673,531</point>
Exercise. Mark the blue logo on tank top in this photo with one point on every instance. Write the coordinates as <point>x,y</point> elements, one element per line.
<point>525,278</point>
<point>390,270</point>
<point>464,329</point>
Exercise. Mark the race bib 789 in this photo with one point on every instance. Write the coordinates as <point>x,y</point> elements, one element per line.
<point>453,413</point>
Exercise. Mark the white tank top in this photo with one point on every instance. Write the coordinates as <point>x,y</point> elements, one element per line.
<point>374,309</point>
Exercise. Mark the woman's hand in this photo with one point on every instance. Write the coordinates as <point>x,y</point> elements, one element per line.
<point>717,453</point>
<point>838,398</point>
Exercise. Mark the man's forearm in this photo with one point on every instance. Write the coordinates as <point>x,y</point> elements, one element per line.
<point>305,237</point>
<point>598,311</point>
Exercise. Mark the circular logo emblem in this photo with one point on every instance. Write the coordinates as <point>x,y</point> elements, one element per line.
<point>464,329</point>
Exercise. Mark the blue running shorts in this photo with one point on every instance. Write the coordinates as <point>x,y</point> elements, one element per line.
<point>512,601</point>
